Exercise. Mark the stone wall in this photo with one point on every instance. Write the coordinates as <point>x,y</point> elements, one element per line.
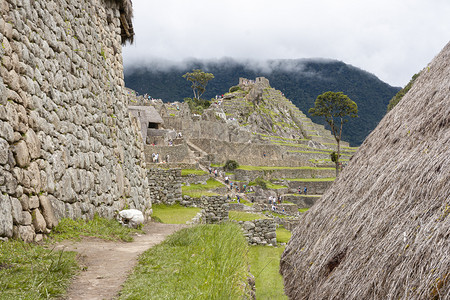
<point>68,146</point>
<point>165,185</point>
<point>177,153</point>
<point>313,187</point>
<point>260,232</point>
<point>215,209</point>
<point>252,153</point>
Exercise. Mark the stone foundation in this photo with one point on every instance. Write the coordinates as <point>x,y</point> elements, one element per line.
<point>215,209</point>
<point>260,232</point>
<point>68,147</point>
<point>165,185</point>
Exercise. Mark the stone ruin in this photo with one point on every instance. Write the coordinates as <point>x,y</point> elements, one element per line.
<point>68,146</point>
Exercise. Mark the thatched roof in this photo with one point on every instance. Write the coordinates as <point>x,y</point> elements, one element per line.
<point>126,16</point>
<point>382,230</point>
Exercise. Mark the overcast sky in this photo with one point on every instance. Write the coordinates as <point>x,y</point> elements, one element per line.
<point>393,39</point>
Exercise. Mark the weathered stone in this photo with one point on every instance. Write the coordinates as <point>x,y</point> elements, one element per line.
<point>16,209</point>
<point>33,144</point>
<point>4,150</point>
<point>25,233</point>
<point>21,154</point>
<point>47,211</point>
<point>33,202</point>
<point>38,220</point>
<point>6,219</point>
<point>248,225</point>
<point>6,130</point>
<point>26,218</point>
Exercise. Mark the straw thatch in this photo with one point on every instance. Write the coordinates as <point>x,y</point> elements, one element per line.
<point>126,16</point>
<point>382,230</point>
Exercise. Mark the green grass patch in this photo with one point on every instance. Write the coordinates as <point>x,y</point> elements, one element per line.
<point>265,266</point>
<point>198,190</point>
<point>107,229</point>
<point>242,201</point>
<point>29,271</point>
<point>174,214</point>
<point>307,152</point>
<point>265,168</point>
<point>216,165</point>
<point>201,262</point>
<point>302,210</point>
<point>187,172</point>
<point>283,235</point>
<point>274,214</point>
<point>311,179</point>
<point>244,216</point>
<point>266,184</point>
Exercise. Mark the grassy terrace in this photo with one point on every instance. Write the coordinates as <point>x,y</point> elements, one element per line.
<point>173,214</point>
<point>201,262</point>
<point>107,229</point>
<point>187,172</point>
<point>266,168</point>
<point>198,190</point>
<point>265,266</point>
<point>311,179</point>
<point>31,271</point>
<point>245,216</point>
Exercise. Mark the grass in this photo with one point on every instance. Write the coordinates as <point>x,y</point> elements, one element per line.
<point>106,229</point>
<point>302,210</point>
<point>245,216</point>
<point>274,214</point>
<point>283,235</point>
<point>201,262</point>
<point>269,185</point>
<point>173,214</point>
<point>311,179</point>
<point>303,195</point>
<point>186,172</point>
<point>198,190</point>
<point>29,271</point>
<point>265,168</point>
<point>242,201</point>
<point>265,265</point>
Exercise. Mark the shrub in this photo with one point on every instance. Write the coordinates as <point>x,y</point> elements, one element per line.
<point>234,88</point>
<point>231,165</point>
<point>259,181</point>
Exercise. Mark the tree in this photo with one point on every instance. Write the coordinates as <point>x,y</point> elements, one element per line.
<point>335,107</point>
<point>199,81</point>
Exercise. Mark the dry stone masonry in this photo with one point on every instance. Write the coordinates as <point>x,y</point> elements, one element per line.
<point>165,185</point>
<point>215,209</point>
<point>68,147</point>
<point>260,232</point>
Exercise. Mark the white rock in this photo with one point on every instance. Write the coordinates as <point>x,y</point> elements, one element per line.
<point>131,217</point>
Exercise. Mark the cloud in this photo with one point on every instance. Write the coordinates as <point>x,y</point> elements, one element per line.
<point>392,39</point>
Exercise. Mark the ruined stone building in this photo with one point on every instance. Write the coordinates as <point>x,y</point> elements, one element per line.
<point>68,147</point>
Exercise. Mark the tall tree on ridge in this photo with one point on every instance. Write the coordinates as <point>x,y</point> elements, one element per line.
<point>335,107</point>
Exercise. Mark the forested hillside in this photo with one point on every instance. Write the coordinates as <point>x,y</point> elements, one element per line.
<point>301,81</point>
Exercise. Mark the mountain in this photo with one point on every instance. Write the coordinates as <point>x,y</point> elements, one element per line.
<point>301,80</point>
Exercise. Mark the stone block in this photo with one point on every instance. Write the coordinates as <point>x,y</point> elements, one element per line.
<point>4,150</point>
<point>21,154</point>
<point>33,202</point>
<point>16,210</point>
<point>38,220</point>
<point>33,144</point>
<point>6,218</point>
<point>47,211</point>
<point>26,218</point>
<point>25,233</point>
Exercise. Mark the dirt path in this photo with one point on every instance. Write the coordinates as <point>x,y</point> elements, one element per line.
<point>107,264</point>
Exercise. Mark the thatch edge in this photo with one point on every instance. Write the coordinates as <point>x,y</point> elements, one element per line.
<point>126,17</point>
